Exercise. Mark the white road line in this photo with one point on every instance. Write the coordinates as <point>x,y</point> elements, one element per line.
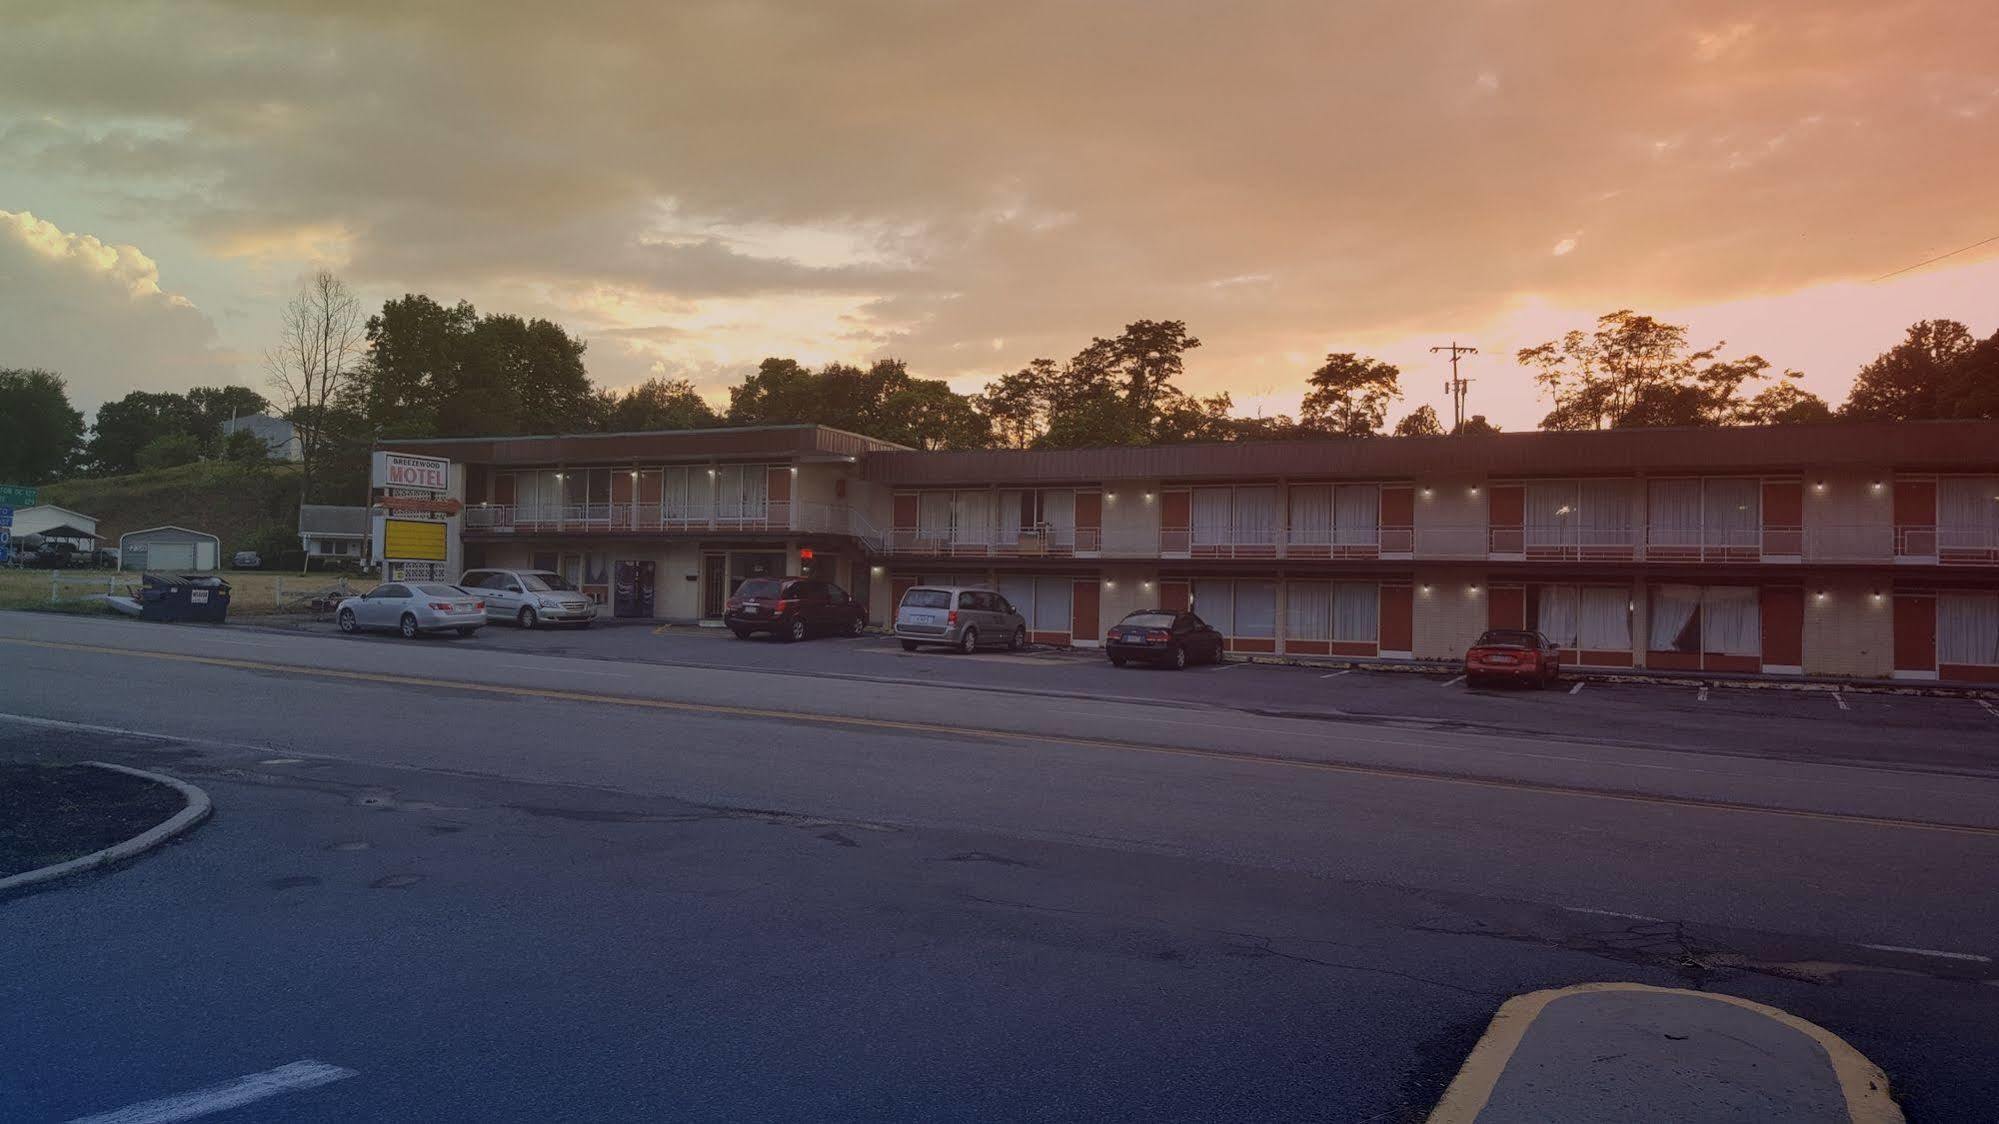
<point>1227,666</point>
<point>120,731</point>
<point>1577,689</point>
<point>567,670</point>
<point>1459,679</point>
<point>1349,671</point>
<point>1608,913</point>
<point>1840,698</point>
<point>1989,708</point>
<point>229,1094</point>
<point>1972,956</point>
<point>1702,697</point>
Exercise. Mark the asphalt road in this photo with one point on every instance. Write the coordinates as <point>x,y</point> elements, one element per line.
<point>617,875</point>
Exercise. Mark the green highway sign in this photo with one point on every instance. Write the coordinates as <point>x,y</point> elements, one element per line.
<point>13,495</point>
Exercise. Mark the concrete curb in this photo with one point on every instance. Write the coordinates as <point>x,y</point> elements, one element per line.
<point>1862,1083</point>
<point>196,810</point>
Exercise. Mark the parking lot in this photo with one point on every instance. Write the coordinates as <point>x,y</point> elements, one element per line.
<point>1914,731</point>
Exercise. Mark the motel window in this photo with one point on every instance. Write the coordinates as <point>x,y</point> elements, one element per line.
<point>1235,516</point>
<point>1721,619</point>
<point>933,517</point>
<point>1344,611</point>
<point>1716,512</point>
<point>1594,618</point>
<point>1583,512</point>
<point>973,524</point>
<point>1968,628</point>
<point>1215,601</point>
<point>1045,601</point>
<point>1256,610</point>
<point>1356,611</point>
<point>1967,513</point>
<point>1308,611</point>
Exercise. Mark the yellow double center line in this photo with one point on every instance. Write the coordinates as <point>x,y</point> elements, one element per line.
<point>1389,772</point>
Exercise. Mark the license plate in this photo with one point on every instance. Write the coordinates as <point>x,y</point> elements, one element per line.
<point>1134,638</point>
<point>1500,659</point>
<point>752,610</point>
<point>921,618</point>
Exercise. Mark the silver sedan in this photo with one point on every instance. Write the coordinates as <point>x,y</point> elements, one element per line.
<point>412,608</point>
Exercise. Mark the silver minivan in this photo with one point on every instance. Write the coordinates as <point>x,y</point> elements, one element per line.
<point>956,617</point>
<point>530,597</point>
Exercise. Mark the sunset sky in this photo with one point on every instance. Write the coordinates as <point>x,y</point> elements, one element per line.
<point>694,186</point>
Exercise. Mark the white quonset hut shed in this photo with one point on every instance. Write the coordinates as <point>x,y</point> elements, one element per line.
<point>174,549</point>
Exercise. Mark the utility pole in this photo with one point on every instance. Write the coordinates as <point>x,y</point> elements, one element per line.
<point>1456,387</point>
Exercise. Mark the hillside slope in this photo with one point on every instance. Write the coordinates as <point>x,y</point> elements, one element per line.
<point>226,500</point>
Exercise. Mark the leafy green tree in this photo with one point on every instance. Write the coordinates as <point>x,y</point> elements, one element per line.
<point>214,406</point>
<point>1634,370</point>
<point>1348,395</point>
<point>656,404</point>
<point>39,431</point>
<point>169,451</point>
<point>1783,403</point>
<point>1016,405</point>
<point>928,414</point>
<point>1475,426</point>
<point>881,400</point>
<point>131,423</point>
<point>416,352</point>
<point>1974,387</point>
<point>1116,391</point>
<point>449,372</point>
<point>1917,379</point>
<point>1420,422</point>
<point>245,448</point>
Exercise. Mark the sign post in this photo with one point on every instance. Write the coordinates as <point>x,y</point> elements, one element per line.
<point>411,525</point>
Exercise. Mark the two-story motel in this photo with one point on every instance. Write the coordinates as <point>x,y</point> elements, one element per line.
<point>1867,549</point>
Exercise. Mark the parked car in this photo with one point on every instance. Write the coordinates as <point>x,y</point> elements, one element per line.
<point>246,560</point>
<point>1518,654</point>
<point>412,608</point>
<point>965,619</point>
<point>530,598</point>
<point>792,609</point>
<point>1163,636</point>
<point>104,558</point>
<point>53,554</point>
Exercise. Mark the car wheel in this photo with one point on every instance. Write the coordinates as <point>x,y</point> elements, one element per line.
<point>347,621</point>
<point>795,630</point>
<point>1118,661</point>
<point>527,619</point>
<point>467,630</point>
<point>1177,658</point>
<point>409,626</point>
<point>969,642</point>
<point>1473,681</point>
<point>857,626</point>
<point>1018,640</point>
<point>741,633</point>
<point>909,645</point>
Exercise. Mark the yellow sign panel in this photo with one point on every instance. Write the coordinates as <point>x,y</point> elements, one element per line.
<point>413,540</point>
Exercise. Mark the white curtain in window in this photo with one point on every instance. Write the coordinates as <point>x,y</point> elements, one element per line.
<point>1308,610</point>
<point>1673,515</point>
<point>1731,512</point>
<point>1058,510</point>
<point>1213,509</point>
<point>1312,514</point>
<point>1557,618</point>
<point>676,495</point>
<point>1256,515</point>
<point>1730,622</point>
<point>1674,618</point>
<point>1609,512</point>
<point>933,516</point>
<point>974,518</point>
<point>1051,604</point>
<point>1552,514</point>
<point>1357,514</point>
<point>1256,609</point>
<point>1968,628</point>
<point>1967,513</point>
<point>1603,618</point>
<point>1356,611</point>
<point>1009,521</point>
<point>1214,602</point>
<point>1018,589</point>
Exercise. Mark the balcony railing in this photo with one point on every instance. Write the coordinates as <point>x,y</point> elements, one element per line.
<point>617,518</point>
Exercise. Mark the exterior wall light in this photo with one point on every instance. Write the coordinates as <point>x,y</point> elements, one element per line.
<point>1876,485</point>
<point>1109,584</point>
<point>1821,594</point>
<point>1473,588</point>
<point>876,571</point>
<point>1145,585</point>
<point>1819,486</point>
<point>1426,493</point>
<point>1148,497</point>
<point>1474,489</point>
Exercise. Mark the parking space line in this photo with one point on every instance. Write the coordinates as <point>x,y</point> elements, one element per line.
<point>227,1095</point>
<point>1349,671</point>
<point>1702,697</point>
<point>1840,698</point>
<point>1457,680</point>
<point>1971,956</point>
<point>1989,708</point>
<point>1227,666</point>
<point>1577,689</point>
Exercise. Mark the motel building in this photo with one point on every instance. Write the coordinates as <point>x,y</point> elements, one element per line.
<point>1864,549</point>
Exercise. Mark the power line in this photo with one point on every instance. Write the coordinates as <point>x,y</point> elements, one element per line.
<point>1457,387</point>
<point>1938,258</point>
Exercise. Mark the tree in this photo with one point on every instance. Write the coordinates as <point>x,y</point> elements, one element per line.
<point>518,376</point>
<point>1634,370</point>
<point>927,414</point>
<point>131,423</point>
<point>39,431</point>
<point>215,406</point>
<point>1016,405</point>
<point>1348,395</point>
<point>416,351</point>
<point>245,448</point>
<point>1974,386</point>
<point>313,363</point>
<point>656,404</point>
<point>882,400</point>
<point>1420,422</point>
<point>1784,404</point>
<point>169,451</point>
<point>1475,426</point>
<point>1914,380</point>
<point>1117,391</point>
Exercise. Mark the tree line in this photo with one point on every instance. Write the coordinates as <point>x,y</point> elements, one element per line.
<point>420,368</point>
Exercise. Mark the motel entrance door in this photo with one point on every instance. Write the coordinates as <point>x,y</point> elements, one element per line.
<point>632,595</point>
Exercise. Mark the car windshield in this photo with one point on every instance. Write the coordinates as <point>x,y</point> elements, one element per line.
<point>926,599</point>
<point>759,587</point>
<point>1508,638</point>
<point>440,591</point>
<point>1150,620</point>
<point>546,582</point>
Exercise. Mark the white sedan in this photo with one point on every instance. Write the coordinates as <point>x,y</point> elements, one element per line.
<point>412,608</point>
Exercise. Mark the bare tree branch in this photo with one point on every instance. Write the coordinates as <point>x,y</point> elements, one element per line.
<point>315,358</point>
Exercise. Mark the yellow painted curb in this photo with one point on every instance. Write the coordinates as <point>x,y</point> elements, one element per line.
<point>1861,1082</point>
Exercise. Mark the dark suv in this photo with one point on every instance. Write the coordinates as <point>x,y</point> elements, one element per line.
<point>793,608</point>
